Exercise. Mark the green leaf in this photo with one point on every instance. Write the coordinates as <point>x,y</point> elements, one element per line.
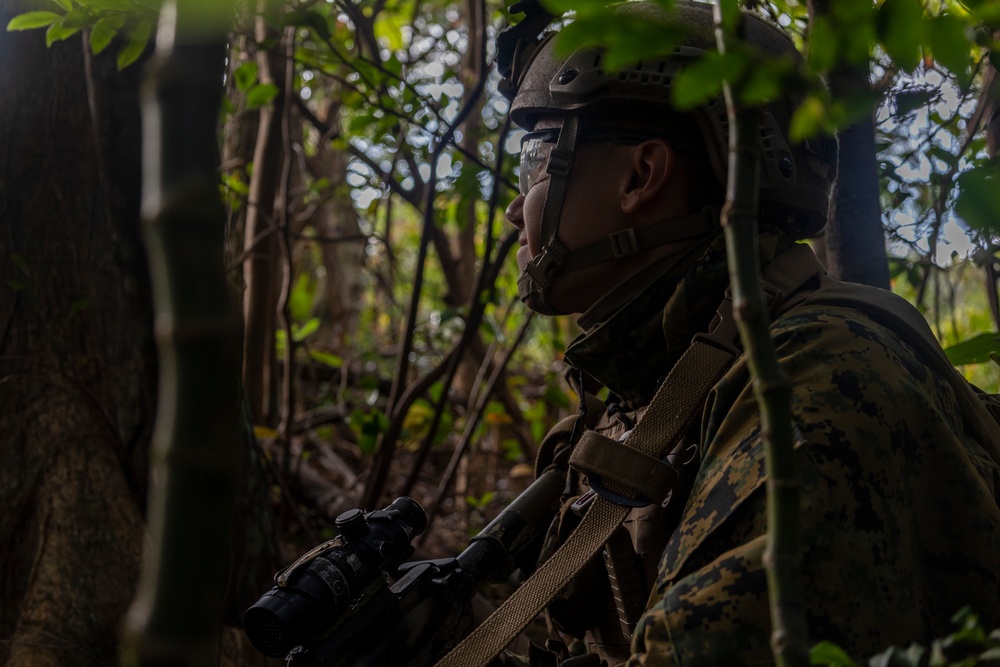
<point>626,40</point>
<point>822,44</point>
<point>975,350</point>
<point>901,31</point>
<point>109,5</point>
<point>702,80</point>
<point>359,123</point>
<point>77,18</point>
<point>829,654</point>
<point>308,19</point>
<point>32,20</point>
<point>58,32</point>
<point>730,10</point>
<point>387,27</point>
<point>368,426</point>
<point>912,99</point>
<point>306,329</point>
<point>914,656</point>
<point>808,119</point>
<point>64,4</point>
<point>943,154</point>
<point>950,46</point>
<point>245,75</point>
<point>326,358</point>
<point>764,82</point>
<point>978,202</point>
<point>261,94</point>
<point>855,25</point>
<point>104,31</point>
<point>138,37</point>
<point>300,301</point>
<point>987,11</point>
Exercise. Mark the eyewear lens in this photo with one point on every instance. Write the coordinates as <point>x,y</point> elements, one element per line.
<point>535,150</point>
<point>536,147</point>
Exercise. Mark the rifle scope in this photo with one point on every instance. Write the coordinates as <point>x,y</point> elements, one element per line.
<point>312,592</point>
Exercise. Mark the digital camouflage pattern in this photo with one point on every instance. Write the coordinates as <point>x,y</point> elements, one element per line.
<point>901,526</point>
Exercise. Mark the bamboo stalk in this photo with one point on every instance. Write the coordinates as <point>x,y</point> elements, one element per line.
<point>175,618</point>
<point>772,387</point>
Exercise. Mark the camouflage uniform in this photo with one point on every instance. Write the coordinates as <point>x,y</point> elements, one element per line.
<point>900,519</point>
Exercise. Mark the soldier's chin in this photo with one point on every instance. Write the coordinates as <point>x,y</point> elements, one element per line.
<point>537,304</point>
<point>523,257</point>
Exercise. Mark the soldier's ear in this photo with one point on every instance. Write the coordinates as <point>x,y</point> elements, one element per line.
<point>650,168</point>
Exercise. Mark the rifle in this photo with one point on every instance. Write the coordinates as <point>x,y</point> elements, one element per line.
<point>354,602</point>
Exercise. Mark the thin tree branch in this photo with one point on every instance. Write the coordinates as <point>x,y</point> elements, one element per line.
<point>473,421</point>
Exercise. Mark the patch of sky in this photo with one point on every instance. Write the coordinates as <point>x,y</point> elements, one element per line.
<point>915,133</point>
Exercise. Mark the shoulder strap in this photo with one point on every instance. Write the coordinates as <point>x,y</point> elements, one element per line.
<point>678,400</point>
<point>702,363</point>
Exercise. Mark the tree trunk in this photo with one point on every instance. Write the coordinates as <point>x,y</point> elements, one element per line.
<point>343,258</point>
<point>261,266</point>
<point>77,367</point>
<point>855,242</point>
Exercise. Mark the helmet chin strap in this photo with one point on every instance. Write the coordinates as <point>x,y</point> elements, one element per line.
<point>535,283</point>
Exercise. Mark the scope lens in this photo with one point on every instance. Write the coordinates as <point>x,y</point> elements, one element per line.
<point>280,620</point>
<point>267,632</point>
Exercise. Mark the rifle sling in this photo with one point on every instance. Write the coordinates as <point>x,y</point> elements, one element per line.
<point>675,404</point>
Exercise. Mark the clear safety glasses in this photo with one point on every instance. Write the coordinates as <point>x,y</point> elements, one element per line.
<point>536,147</point>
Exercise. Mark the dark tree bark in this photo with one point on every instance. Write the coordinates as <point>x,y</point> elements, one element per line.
<point>77,362</point>
<point>855,242</point>
<point>262,266</point>
<point>77,367</point>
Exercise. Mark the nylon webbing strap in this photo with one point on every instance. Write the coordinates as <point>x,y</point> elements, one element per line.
<point>612,460</point>
<point>791,269</point>
<point>560,162</point>
<point>684,390</point>
<point>486,641</point>
<point>631,241</point>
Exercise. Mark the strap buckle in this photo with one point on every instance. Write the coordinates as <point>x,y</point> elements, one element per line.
<point>596,485</point>
<point>560,160</point>
<point>544,266</point>
<point>623,242</point>
<point>723,332</point>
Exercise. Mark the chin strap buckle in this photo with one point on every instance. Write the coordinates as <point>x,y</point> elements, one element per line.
<point>623,243</point>
<point>543,267</point>
<point>538,275</point>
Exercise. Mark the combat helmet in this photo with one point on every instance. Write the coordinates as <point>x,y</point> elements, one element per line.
<point>796,180</point>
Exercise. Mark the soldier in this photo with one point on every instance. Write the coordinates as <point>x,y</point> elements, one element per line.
<point>618,215</point>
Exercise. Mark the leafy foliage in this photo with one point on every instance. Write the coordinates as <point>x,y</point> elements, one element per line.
<point>105,20</point>
<point>970,644</point>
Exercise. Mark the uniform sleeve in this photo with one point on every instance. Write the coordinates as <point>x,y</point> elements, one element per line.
<point>900,521</point>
